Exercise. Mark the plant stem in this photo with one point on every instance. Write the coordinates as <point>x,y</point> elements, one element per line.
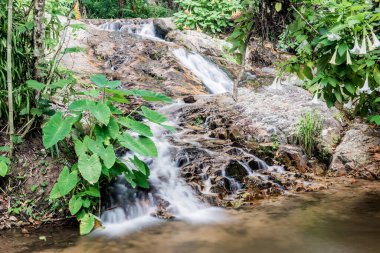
<point>9,76</point>
<point>304,19</point>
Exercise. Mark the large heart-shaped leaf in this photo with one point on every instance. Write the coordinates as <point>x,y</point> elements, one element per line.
<point>80,105</point>
<point>153,116</point>
<point>102,82</point>
<point>55,193</point>
<point>67,181</point>
<point>56,129</point>
<point>87,223</point>
<point>136,126</point>
<point>75,204</point>
<point>149,95</point>
<point>141,145</point>
<point>109,157</point>
<point>33,84</point>
<point>101,112</point>
<point>90,168</point>
<point>140,165</point>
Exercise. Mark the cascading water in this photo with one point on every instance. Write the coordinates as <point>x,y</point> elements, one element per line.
<point>130,209</point>
<point>144,28</point>
<point>133,209</point>
<point>210,74</point>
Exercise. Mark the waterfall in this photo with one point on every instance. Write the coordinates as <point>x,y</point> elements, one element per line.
<point>132,209</point>
<point>215,80</point>
<point>143,28</point>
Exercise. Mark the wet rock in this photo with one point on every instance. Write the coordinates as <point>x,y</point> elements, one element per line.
<point>236,170</point>
<point>164,26</point>
<point>189,100</point>
<point>293,158</point>
<point>234,133</point>
<point>259,189</point>
<point>353,155</point>
<point>188,155</point>
<point>199,42</point>
<point>257,165</point>
<point>220,133</point>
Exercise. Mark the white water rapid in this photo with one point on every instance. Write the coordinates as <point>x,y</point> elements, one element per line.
<point>132,209</point>
<point>215,79</point>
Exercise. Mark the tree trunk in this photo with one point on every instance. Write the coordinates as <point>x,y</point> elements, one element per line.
<point>121,8</point>
<point>38,37</point>
<point>239,79</point>
<point>9,75</point>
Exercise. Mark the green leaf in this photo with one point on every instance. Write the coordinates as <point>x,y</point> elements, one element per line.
<point>141,180</point>
<point>90,168</point>
<point>3,169</point>
<point>75,204</point>
<point>142,145</point>
<point>140,165</point>
<point>376,74</point>
<point>5,148</point>
<point>87,223</point>
<point>136,126</point>
<point>109,157</point>
<point>308,73</point>
<point>67,181</point>
<point>101,112</point>
<point>71,50</point>
<point>103,132</point>
<point>149,95</point>
<point>35,85</point>
<point>278,7</point>
<point>80,105</point>
<point>151,115</point>
<point>102,82</point>
<point>56,129</point>
<point>55,193</point>
<point>60,84</point>
<point>375,119</point>
<point>92,191</point>
<point>80,147</point>
<point>338,96</point>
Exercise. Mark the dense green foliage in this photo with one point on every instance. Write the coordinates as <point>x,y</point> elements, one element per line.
<point>338,53</point>
<point>335,44</point>
<point>98,129</point>
<point>23,62</point>
<point>124,9</point>
<point>209,16</point>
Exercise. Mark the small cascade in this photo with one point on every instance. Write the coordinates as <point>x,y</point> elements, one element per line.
<point>143,28</point>
<point>215,80</point>
<point>131,209</point>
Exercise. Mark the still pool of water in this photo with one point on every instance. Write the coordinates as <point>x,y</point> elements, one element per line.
<point>341,220</point>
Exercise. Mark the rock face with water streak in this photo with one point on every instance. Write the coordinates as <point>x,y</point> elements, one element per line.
<point>358,153</point>
<point>143,64</point>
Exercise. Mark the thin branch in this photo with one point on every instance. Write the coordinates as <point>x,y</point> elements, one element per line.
<point>304,19</point>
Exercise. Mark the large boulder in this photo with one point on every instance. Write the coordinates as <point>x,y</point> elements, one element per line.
<point>164,26</point>
<point>199,42</point>
<point>358,153</point>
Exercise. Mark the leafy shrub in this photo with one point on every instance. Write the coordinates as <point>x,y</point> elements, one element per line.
<point>308,132</point>
<point>98,129</point>
<point>129,9</point>
<point>337,53</point>
<point>211,16</point>
<point>22,53</point>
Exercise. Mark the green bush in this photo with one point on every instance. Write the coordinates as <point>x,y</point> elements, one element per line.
<point>130,9</point>
<point>308,132</point>
<point>210,16</point>
<point>338,53</point>
<point>97,129</point>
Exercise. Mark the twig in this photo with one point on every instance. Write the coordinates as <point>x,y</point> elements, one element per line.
<point>304,19</point>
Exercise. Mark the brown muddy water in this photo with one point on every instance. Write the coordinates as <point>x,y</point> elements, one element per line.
<point>345,219</point>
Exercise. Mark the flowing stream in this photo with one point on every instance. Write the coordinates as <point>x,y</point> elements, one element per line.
<point>345,219</point>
